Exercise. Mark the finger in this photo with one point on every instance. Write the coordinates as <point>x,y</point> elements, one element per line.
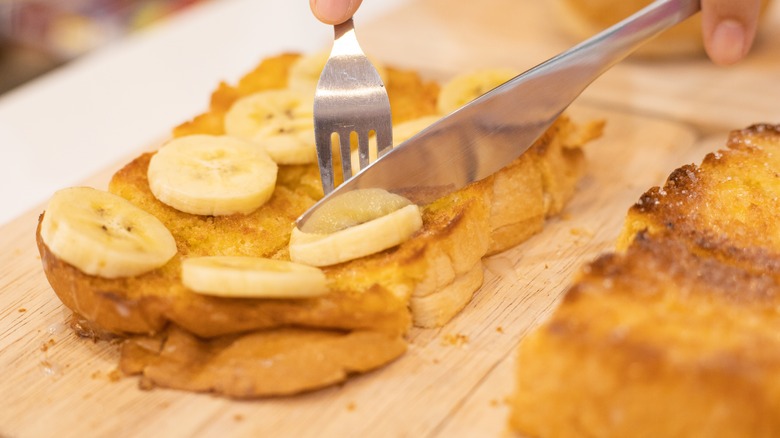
<point>729,27</point>
<point>334,11</point>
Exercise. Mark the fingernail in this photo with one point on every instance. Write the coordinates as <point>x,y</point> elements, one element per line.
<point>331,10</point>
<point>728,41</point>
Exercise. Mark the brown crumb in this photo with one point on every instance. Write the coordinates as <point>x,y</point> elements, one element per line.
<point>238,417</point>
<point>145,384</point>
<point>351,406</point>
<point>22,310</point>
<point>456,340</point>
<point>85,329</point>
<point>45,346</point>
<point>436,361</point>
<point>114,375</point>
<point>581,232</point>
<point>500,329</point>
<point>546,266</point>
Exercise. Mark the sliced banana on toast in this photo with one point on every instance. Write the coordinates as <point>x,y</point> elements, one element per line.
<point>104,235</point>
<point>354,225</point>
<point>281,121</point>
<point>252,277</point>
<point>464,88</point>
<point>401,132</point>
<point>212,175</point>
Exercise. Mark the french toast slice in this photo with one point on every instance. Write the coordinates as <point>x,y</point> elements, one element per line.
<point>372,301</point>
<point>676,335</point>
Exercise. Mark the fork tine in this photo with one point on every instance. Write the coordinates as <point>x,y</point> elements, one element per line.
<point>325,157</point>
<point>363,152</point>
<point>384,139</point>
<point>345,144</point>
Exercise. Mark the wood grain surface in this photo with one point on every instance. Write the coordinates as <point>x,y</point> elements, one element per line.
<point>453,381</point>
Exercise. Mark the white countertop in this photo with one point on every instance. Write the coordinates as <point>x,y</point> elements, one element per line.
<point>69,124</point>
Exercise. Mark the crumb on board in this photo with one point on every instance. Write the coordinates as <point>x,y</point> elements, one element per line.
<point>455,339</point>
<point>238,417</point>
<point>500,329</point>
<point>22,310</point>
<point>581,232</point>
<point>351,406</point>
<point>114,375</point>
<point>145,384</point>
<point>46,345</point>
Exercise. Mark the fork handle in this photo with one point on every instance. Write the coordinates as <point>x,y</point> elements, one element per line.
<point>345,42</point>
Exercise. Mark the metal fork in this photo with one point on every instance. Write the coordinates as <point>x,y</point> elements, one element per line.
<point>350,98</point>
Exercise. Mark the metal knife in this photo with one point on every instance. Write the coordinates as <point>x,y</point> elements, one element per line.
<point>486,134</point>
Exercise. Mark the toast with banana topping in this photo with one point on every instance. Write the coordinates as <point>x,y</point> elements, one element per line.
<point>228,311</point>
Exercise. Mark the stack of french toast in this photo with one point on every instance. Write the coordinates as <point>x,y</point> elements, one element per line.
<point>188,258</point>
<point>678,332</point>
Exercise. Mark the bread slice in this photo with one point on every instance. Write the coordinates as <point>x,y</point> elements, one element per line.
<point>677,334</point>
<point>371,302</point>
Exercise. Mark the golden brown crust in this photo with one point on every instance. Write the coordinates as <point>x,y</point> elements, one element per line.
<point>258,364</point>
<point>145,304</point>
<point>727,201</point>
<point>676,335</point>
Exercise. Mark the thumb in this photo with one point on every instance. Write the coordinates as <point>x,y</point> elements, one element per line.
<point>729,27</point>
<point>334,11</point>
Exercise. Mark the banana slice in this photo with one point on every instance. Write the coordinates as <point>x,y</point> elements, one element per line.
<point>354,225</point>
<point>252,277</point>
<point>464,88</point>
<point>212,175</point>
<point>281,121</point>
<point>305,71</point>
<point>401,132</point>
<point>406,130</point>
<point>103,234</point>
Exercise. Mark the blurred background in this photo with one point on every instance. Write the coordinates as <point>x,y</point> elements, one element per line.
<point>37,36</point>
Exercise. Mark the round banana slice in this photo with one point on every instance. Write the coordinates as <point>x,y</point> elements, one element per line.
<point>212,175</point>
<point>103,234</point>
<point>464,88</point>
<point>354,225</point>
<point>281,121</point>
<point>252,277</point>
<point>305,71</point>
<point>401,132</point>
<point>406,130</point>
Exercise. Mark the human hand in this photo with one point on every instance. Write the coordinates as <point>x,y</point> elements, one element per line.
<point>728,28</point>
<point>334,11</point>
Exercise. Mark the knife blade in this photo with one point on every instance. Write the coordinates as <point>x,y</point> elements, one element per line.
<point>491,131</point>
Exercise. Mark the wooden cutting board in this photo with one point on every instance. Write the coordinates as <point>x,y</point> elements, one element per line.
<point>452,381</point>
